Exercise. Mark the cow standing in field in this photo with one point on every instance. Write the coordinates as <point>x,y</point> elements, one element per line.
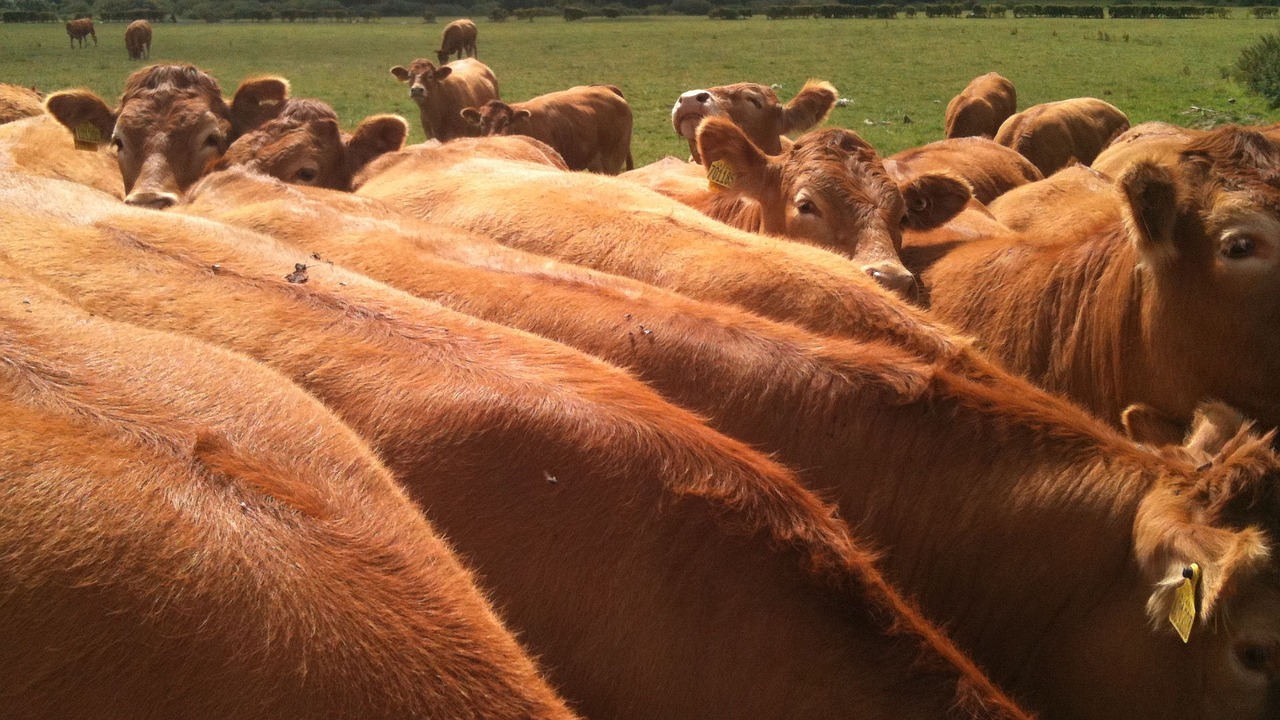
<point>78,30</point>
<point>442,92</point>
<point>639,516</point>
<point>986,102</point>
<point>171,123</point>
<point>459,37</point>
<point>137,40</point>
<point>589,125</point>
<point>1054,135</point>
<point>756,109</point>
<point>186,534</point>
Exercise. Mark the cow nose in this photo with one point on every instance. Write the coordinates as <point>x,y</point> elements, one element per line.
<point>152,199</point>
<point>417,92</point>
<point>702,97</point>
<point>894,277</point>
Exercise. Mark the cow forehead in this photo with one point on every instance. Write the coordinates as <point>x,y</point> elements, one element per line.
<point>420,67</point>
<point>743,90</point>
<point>169,112</point>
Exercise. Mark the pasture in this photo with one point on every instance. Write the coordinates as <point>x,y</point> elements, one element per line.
<point>890,70</point>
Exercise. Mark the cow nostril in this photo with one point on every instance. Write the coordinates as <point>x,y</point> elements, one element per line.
<point>702,97</point>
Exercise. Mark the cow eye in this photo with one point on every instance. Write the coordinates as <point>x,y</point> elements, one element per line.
<point>754,101</point>
<point>806,207</point>
<point>307,175</point>
<point>1254,657</point>
<point>117,143</point>
<point>1238,247</point>
<point>213,141</point>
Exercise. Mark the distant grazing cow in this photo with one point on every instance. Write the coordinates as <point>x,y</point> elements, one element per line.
<point>442,92</point>
<point>621,228</point>
<point>679,518</point>
<point>137,40</point>
<point>589,125</point>
<point>1170,303</point>
<point>185,533</point>
<point>40,146</point>
<point>172,122</point>
<point>986,102</point>
<point>17,102</point>
<point>458,37</point>
<point>947,457</point>
<point>304,144</point>
<point>756,109</point>
<point>78,30</point>
<point>1054,135</point>
<point>990,168</point>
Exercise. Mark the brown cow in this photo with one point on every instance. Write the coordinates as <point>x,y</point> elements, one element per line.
<point>170,124</point>
<point>186,534</point>
<point>304,144</point>
<point>621,228</point>
<point>1054,135</point>
<point>1169,304</point>
<point>636,516</point>
<point>17,102</point>
<point>1074,200</point>
<point>986,102</point>
<point>1149,140</point>
<point>756,109</point>
<point>458,37</point>
<point>985,494</point>
<point>589,125</point>
<point>137,40</point>
<point>78,30</point>
<point>989,168</point>
<point>40,146</point>
<point>442,92</point>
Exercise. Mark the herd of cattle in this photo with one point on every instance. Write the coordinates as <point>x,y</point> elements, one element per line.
<point>305,423</point>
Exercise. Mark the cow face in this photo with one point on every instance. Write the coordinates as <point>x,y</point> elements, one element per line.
<point>495,118</point>
<point>1206,229</point>
<point>423,78</point>
<point>831,190</point>
<point>172,123</point>
<point>305,146</point>
<point>754,108</point>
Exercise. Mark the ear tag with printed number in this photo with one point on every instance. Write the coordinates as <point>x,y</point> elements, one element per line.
<point>720,175</point>
<point>1183,612</point>
<point>88,136</point>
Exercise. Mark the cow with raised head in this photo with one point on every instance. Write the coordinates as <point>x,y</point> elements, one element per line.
<point>756,109</point>
<point>639,516</point>
<point>589,125</point>
<point>442,92</point>
<point>1168,299</point>
<point>458,37</point>
<point>1053,135</point>
<point>304,144</point>
<point>78,30</point>
<point>978,111</point>
<point>137,40</point>
<point>170,124</point>
<point>17,102</point>
<point>990,169</point>
<point>187,534</point>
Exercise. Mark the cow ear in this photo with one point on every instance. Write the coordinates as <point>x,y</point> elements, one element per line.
<point>1214,424</point>
<point>374,136</point>
<point>400,73</point>
<point>443,72</point>
<point>932,199</point>
<point>1149,426</point>
<point>256,101</point>
<point>76,107</point>
<point>719,139</point>
<point>521,113</point>
<point>471,115</point>
<point>1150,210</point>
<point>809,107</point>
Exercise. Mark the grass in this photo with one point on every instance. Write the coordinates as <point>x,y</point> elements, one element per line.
<point>890,70</point>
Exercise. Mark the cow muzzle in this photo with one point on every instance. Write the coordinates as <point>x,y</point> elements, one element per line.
<point>156,200</point>
<point>894,277</point>
<point>417,91</point>
<point>690,109</point>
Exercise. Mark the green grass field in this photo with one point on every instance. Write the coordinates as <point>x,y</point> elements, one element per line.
<point>888,69</point>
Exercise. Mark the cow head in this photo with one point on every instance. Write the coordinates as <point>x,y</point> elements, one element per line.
<point>172,122</point>
<point>1224,517</point>
<point>495,118</point>
<point>756,109</point>
<point>423,78</point>
<point>1205,226</point>
<point>305,145</point>
<point>831,190</point>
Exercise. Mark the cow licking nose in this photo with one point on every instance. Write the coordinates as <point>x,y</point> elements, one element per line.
<point>689,110</point>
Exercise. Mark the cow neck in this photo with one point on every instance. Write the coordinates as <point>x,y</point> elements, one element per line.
<point>1002,508</point>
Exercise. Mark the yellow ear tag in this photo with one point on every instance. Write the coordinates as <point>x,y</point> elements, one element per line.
<point>88,137</point>
<point>720,175</point>
<point>1183,612</point>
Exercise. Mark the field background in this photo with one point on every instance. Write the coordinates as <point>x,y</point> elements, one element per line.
<point>890,70</point>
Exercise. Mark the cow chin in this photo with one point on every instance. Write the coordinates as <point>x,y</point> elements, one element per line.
<point>687,125</point>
